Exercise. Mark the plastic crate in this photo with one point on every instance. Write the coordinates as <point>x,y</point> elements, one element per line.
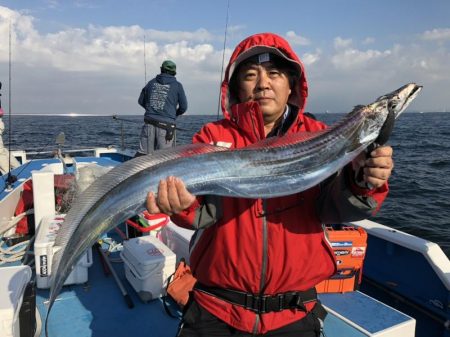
<point>349,245</point>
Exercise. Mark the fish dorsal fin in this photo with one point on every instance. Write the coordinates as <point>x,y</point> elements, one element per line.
<point>286,140</point>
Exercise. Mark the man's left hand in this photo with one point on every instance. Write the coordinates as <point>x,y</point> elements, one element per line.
<point>377,168</point>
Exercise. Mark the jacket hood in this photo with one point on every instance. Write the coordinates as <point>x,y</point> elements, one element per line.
<point>165,78</point>
<point>260,43</point>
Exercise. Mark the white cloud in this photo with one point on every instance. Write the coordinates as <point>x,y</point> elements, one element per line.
<point>311,58</point>
<point>295,39</point>
<point>368,40</point>
<point>340,43</point>
<point>352,75</point>
<point>116,49</point>
<point>52,3</point>
<point>438,34</point>
<point>200,35</point>
<point>353,58</point>
<point>101,70</point>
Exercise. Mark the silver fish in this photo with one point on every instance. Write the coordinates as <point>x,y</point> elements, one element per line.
<point>270,168</point>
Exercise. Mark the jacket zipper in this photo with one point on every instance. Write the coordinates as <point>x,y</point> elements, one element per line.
<point>262,283</point>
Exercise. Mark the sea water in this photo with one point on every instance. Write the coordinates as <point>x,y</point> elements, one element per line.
<point>418,202</point>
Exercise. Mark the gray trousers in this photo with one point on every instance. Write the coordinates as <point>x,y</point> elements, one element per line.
<point>153,138</point>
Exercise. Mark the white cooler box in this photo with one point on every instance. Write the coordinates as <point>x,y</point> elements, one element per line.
<point>148,264</point>
<point>43,250</point>
<point>12,287</point>
<point>177,239</point>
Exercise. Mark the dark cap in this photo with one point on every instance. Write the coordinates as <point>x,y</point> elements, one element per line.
<point>169,66</point>
<point>261,54</point>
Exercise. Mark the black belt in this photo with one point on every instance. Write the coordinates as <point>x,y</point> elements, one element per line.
<point>263,303</point>
<point>163,125</point>
<point>169,127</point>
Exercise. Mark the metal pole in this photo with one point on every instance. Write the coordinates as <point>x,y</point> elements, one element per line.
<point>126,296</point>
<point>145,65</point>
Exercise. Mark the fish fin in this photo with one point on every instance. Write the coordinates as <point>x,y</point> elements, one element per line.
<point>286,140</point>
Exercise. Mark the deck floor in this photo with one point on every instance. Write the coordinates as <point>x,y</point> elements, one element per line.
<point>98,309</point>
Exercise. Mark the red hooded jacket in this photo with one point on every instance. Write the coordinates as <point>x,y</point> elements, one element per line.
<point>268,246</point>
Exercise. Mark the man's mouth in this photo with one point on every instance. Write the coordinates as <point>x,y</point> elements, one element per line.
<point>263,99</point>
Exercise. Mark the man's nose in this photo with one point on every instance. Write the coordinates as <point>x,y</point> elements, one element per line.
<point>263,80</point>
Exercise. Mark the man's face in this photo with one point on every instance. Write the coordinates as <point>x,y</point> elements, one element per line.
<point>265,84</point>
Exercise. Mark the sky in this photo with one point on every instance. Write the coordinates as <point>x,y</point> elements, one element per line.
<point>94,57</point>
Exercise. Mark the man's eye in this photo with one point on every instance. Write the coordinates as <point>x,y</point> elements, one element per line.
<point>249,75</point>
<point>274,72</point>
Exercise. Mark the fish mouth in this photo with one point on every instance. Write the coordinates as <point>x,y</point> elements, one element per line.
<point>403,97</point>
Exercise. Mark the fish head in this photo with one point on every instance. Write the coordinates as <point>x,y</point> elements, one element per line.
<point>398,100</point>
<point>382,113</point>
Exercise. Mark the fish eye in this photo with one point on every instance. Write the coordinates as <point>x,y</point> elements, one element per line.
<point>393,105</point>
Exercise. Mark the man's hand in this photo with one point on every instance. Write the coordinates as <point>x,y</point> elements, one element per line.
<point>173,197</point>
<point>377,168</point>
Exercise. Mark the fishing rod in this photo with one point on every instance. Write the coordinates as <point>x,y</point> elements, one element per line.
<point>223,57</point>
<point>11,179</point>
<point>145,65</point>
<point>122,136</point>
<point>136,122</point>
<point>36,153</point>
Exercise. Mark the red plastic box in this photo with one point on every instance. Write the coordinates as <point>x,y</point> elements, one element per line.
<point>349,245</point>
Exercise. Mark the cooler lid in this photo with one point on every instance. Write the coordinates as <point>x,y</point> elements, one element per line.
<point>147,250</point>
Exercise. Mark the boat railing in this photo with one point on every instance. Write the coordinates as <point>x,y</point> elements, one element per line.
<point>65,151</point>
<point>24,156</point>
<point>431,251</point>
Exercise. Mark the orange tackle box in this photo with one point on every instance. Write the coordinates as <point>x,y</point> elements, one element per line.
<point>349,245</point>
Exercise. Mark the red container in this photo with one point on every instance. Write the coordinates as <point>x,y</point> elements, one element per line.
<point>349,245</point>
<point>155,221</point>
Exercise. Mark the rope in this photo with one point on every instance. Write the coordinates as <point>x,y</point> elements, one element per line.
<point>13,253</point>
<point>4,227</point>
<point>19,250</point>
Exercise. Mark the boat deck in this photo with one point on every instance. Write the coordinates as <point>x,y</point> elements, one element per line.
<point>98,309</point>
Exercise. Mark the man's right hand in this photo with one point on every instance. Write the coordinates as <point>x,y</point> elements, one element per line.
<point>172,198</point>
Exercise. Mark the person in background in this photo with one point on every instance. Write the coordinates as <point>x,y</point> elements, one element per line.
<point>247,250</point>
<point>163,99</point>
<point>7,160</point>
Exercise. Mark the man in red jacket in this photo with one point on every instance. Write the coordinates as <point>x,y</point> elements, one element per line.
<point>257,260</point>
